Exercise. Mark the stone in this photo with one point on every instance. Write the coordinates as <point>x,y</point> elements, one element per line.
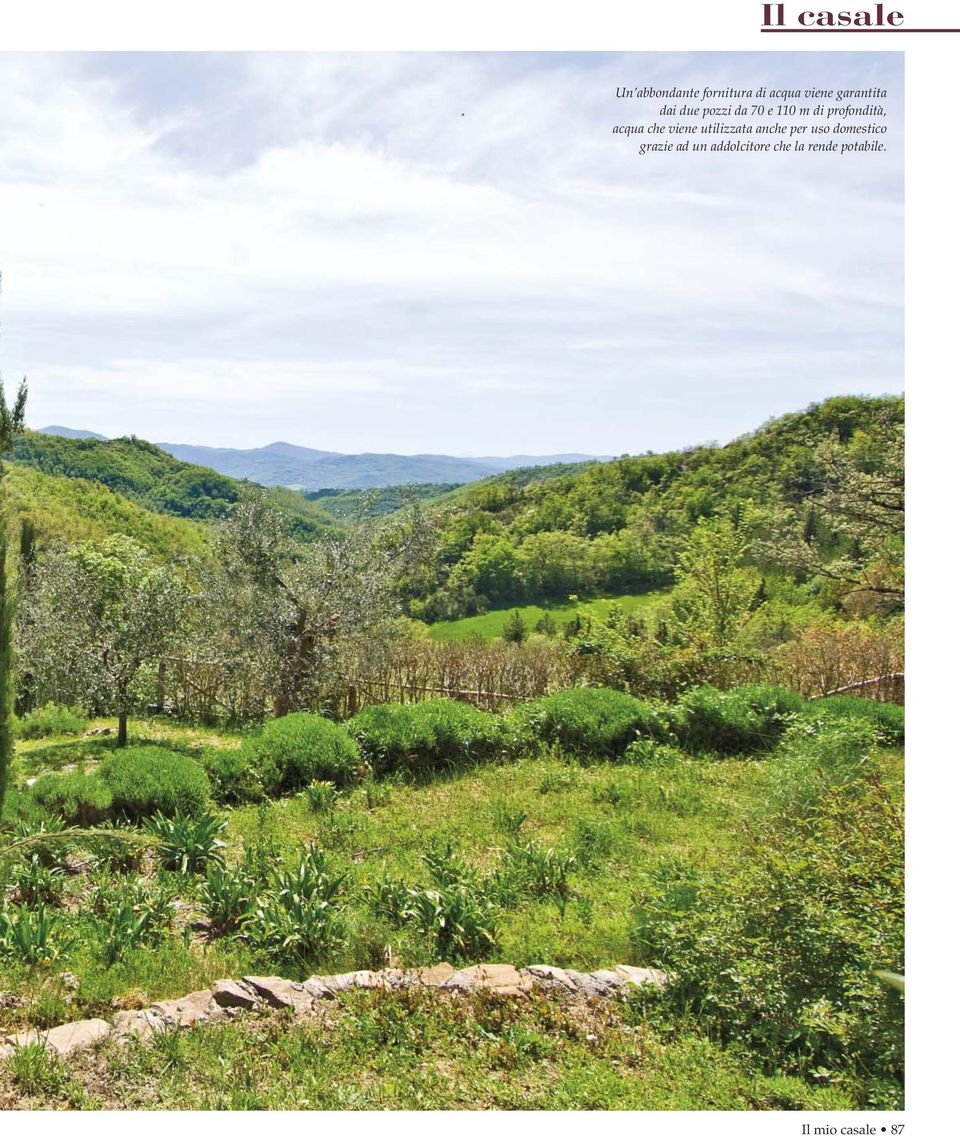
<point>499,978</point>
<point>227,992</point>
<point>65,1039</point>
<point>586,985</point>
<point>190,1010</point>
<point>550,977</point>
<point>328,985</point>
<point>607,980</point>
<point>137,1023</point>
<point>643,976</point>
<point>282,993</point>
<point>431,975</point>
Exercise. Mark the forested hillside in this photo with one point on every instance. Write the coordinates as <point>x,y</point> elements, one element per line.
<point>144,474</point>
<point>790,489</point>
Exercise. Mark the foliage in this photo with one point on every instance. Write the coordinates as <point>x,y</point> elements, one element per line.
<point>50,719</point>
<point>11,426</point>
<point>233,779</point>
<point>590,722</point>
<point>742,720</point>
<point>188,843</point>
<point>776,953</point>
<point>100,612</point>
<point>227,898</point>
<point>887,718</point>
<point>290,752</point>
<point>138,915</point>
<point>149,779</point>
<point>77,798</point>
<point>36,882</point>
<point>26,931</point>
<point>425,736</point>
<point>297,919</point>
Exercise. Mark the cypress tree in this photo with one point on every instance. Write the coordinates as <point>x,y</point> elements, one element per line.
<point>11,424</point>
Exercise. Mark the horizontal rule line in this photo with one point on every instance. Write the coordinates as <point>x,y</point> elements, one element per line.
<point>857,31</point>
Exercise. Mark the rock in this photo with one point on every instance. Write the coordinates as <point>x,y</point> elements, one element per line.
<point>550,977</point>
<point>431,975</point>
<point>586,985</point>
<point>369,979</point>
<point>607,980</point>
<point>282,993</point>
<point>190,1010</point>
<point>64,1039</point>
<point>500,978</point>
<point>137,1023</point>
<point>227,992</point>
<point>643,976</point>
<point>328,985</point>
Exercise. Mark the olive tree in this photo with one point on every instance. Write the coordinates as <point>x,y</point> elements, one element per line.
<point>95,615</point>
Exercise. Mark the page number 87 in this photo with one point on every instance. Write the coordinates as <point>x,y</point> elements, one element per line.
<point>896,1129</point>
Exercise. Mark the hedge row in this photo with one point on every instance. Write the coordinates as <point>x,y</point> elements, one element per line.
<point>290,753</point>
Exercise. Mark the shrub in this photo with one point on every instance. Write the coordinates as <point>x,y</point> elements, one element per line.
<point>148,779</point>
<point>290,752</point>
<point>743,720</point>
<point>76,797</point>
<point>590,721</point>
<point>233,780</point>
<point>886,717</point>
<point>186,843</point>
<point>776,952</point>
<point>51,719</point>
<point>426,736</point>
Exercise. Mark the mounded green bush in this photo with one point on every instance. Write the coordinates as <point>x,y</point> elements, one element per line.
<point>233,779</point>
<point>886,717</point>
<point>76,797</point>
<point>48,720</point>
<point>743,720</point>
<point>590,721</point>
<point>425,736</point>
<point>290,752</point>
<point>148,779</point>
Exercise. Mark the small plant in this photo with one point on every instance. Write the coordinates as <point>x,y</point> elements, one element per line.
<point>506,819</point>
<point>38,1070</point>
<point>36,882</point>
<point>227,898</point>
<point>26,932</point>
<point>321,796</point>
<point>188,843</point>
<point>745,720</point>
<point>138,916</point>
<point>48,720</point>
<point>291,752</point>
<point>148,779</point>
<point>530,869</point>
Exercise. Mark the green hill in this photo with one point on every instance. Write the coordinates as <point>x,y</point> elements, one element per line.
<point>617,527</point>
<point>73,510</point>
<point>146,475</point>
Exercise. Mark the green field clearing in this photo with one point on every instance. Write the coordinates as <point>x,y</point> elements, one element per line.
<point>491,625</point>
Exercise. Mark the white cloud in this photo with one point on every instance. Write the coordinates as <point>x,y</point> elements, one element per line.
<point>336,232</point>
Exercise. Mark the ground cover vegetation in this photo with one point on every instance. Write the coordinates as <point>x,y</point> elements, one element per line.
<point>245,752</point>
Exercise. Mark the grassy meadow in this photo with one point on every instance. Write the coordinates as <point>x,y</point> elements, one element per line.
<point>491,624</point>
<point>566,857</point>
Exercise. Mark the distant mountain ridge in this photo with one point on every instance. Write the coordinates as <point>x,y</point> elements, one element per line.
<point>300,467</point>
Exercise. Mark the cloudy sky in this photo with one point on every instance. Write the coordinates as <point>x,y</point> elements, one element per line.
<point>448,253</point>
